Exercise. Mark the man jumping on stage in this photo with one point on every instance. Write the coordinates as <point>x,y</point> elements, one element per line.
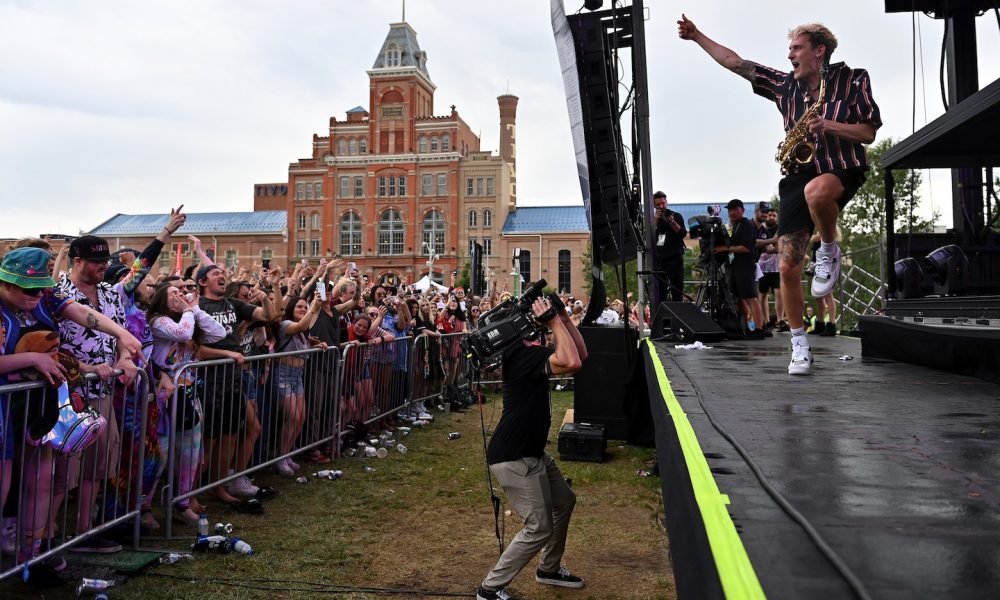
<point>812,195</point>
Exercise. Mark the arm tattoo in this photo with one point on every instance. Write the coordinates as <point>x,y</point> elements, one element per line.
<point>745,70</point>
<point>792,246</point>
<point>91,320</point>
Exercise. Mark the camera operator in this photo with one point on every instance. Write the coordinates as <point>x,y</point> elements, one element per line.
<point>668,259</point>
<point>516,456</point>
<point>743,267</point>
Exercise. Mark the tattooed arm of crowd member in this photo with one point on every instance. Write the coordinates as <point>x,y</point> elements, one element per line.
<point>128,346</point>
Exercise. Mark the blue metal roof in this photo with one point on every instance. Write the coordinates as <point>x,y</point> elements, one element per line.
<point>546,219</point>
<point>265,221</point>
<point>358,109</point>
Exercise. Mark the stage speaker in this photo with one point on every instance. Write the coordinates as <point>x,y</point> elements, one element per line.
<point>684,322</point>
<point>613,207</point>
<point>599,386</point>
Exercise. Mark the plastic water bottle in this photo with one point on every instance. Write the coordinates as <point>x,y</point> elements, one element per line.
<point>240,546</point>
<point>173,557</point>
<point>223,528</point>
<point>329,474</point>
<point>368,469</point>
<point>202,525</point>
<point>401,449</point>
<point>752,325</point>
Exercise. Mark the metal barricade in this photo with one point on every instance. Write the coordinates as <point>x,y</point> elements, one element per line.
<point>41,519</point>
<point>228,419</point>
<point>377,379</point>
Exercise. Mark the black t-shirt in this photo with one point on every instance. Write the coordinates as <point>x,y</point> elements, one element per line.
<point>229,312</point>
<point>744,235</point>
<point>327,328</point>
<point>673,242</point>
<point>524,423</point>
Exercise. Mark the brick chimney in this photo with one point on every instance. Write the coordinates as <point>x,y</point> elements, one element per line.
<point>508,139</point>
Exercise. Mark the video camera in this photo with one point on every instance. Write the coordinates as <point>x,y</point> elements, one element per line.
<point>508,323</point>
<point>707,226</point>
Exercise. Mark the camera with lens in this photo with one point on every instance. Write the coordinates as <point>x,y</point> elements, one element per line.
<point>508,323</point>
<point>711,232</point>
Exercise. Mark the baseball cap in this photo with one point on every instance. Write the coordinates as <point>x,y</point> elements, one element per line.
<point>735,203</point>
<point>89,247</point>
<point>764,206</point>
<point>204,271</point>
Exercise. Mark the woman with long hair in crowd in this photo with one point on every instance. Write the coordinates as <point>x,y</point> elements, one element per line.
<point>298,318</point>
<point>426,346</point>
<point>367,331</point>
<point>179,326</point>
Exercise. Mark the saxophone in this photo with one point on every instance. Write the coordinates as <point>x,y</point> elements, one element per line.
<point>796,150</point>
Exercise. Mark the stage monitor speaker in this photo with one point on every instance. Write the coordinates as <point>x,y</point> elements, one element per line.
<point>684,322</point>
<point>599,385</point>
<point>613,207</point>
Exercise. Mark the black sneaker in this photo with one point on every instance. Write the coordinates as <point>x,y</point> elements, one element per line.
<point>484,594</point>
<point>56,562</point>
<point>561,578</point>
<point>829,330</point>
<point>97,545</point>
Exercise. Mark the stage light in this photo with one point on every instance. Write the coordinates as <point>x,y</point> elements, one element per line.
<point>912,280</point>
<point>949,269</point>
<point>593,4</point>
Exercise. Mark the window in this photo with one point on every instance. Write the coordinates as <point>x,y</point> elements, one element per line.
<point>564,271</point>
<point>300,220</point>
<point>392,56</point>
<point>472,246</point>
<point>489,186</point>
<point>314,248</point>
<point>442,184</point>
<point>434,231</point>
<point>445,143</point>
<point>165,261</point>
<point>434,143</point>
<point>402,185</point>
<point>363,145</point>
<point>487,217</point>
<point>309,191</point>
<point>359,186</point>
<point>300,247</point>
<point>231,260</point>
<point>353,145</point>
<point>487,246</point>
<point>392,185</point>
<point>319,189</point>
<point>315,220</point>
<point>345,185</point>
<point>390,233</point>
<point>300,191</point>
<point>525,266</point>
<point>472,219</point>
<point>381,187</point>
<point>425,185</point>
<point>422,144</point>
<point>468,186</point>
<point>350,234</point>
<point>266,254</point>
<point>341,146</point>
<point>479,186</point>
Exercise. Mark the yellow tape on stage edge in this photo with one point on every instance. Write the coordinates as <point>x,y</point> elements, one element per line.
<point>739,580</point>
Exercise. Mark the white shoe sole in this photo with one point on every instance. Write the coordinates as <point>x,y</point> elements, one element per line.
<point>560,583</point>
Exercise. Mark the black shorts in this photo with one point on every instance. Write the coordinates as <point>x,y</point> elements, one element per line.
<point>793,211</point>
<point>225,402</point>
<point>741,281</point>
<point>770,281</point>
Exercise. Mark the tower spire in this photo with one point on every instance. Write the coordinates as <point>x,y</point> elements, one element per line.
<point>404,11</point>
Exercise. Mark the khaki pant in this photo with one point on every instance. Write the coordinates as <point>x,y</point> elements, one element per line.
<point>538,492</point>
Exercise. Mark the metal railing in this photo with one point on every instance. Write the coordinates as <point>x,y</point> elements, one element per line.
<point>860,292</point>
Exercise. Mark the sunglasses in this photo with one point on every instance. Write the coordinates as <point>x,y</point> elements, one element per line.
<point>373,315</point>
<point>191,287</point>
<point>32,291</point>
<point>98,261</point>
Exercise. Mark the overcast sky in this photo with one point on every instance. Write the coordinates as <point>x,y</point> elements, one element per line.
<point>133,107</point>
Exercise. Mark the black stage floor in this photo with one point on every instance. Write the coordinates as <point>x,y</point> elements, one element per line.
<point>895,466</point>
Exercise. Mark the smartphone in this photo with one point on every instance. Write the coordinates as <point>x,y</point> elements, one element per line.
<point>321,290</point>
<point>266,263</point>
<point>305,263</point>
<point>352,266</point>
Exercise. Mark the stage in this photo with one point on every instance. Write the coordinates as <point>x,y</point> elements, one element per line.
<point>895,466</point>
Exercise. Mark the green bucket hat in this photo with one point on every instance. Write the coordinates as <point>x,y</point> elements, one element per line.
<point>27,268</point>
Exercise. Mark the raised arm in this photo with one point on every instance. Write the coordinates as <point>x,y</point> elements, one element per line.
<point>687,30</point>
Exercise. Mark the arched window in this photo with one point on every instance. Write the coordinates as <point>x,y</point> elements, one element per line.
<point>315,220</point>
<point>390,233</point>
<point>434,143</point>
<point>363,145</point>
<point>301,220</point>
<point>353,145</point>
<point>434,231</point>
<point>445,143</point>
<point>350,234</point>
<point>422,144</point>
<point>341,146</point>
<point>564,271</point>
<point>392,55</point>
<point>472,218</point>
<point>487,217</point>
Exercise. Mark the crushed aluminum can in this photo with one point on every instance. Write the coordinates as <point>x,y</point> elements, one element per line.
<point>402,449</point>
<point>302,479</point>
<point>93,585</point>
<point>368,469</point>
<point>223,528</point>
<point>846,357</point>
<point>454,435</point>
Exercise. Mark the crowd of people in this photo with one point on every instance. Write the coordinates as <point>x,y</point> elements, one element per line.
<point>118,319</point>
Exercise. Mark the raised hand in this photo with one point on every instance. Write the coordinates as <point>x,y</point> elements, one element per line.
<point>686,29</point>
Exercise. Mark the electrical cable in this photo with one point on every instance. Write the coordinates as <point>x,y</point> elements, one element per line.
<point>474,376</point>
<point>824,548</point>
<point>315,587</point>
<point>944,51</point>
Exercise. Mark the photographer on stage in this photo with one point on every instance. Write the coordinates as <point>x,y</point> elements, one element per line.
<point>668,258</point>
<point>516,455</point>
<point>742,266</point>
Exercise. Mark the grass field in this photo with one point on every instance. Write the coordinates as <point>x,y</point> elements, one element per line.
<point>421,521</point>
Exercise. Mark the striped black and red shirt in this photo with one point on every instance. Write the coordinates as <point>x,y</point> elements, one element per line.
<point>848,100</point>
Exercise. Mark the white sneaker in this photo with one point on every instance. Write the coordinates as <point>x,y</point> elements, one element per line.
<point>241,486</point>
<point>801,358</point>
<point>425,416</point>
<point>284,468</point>
<point>827,272</point>
<point>291,463</point>
<point>8,536</point>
